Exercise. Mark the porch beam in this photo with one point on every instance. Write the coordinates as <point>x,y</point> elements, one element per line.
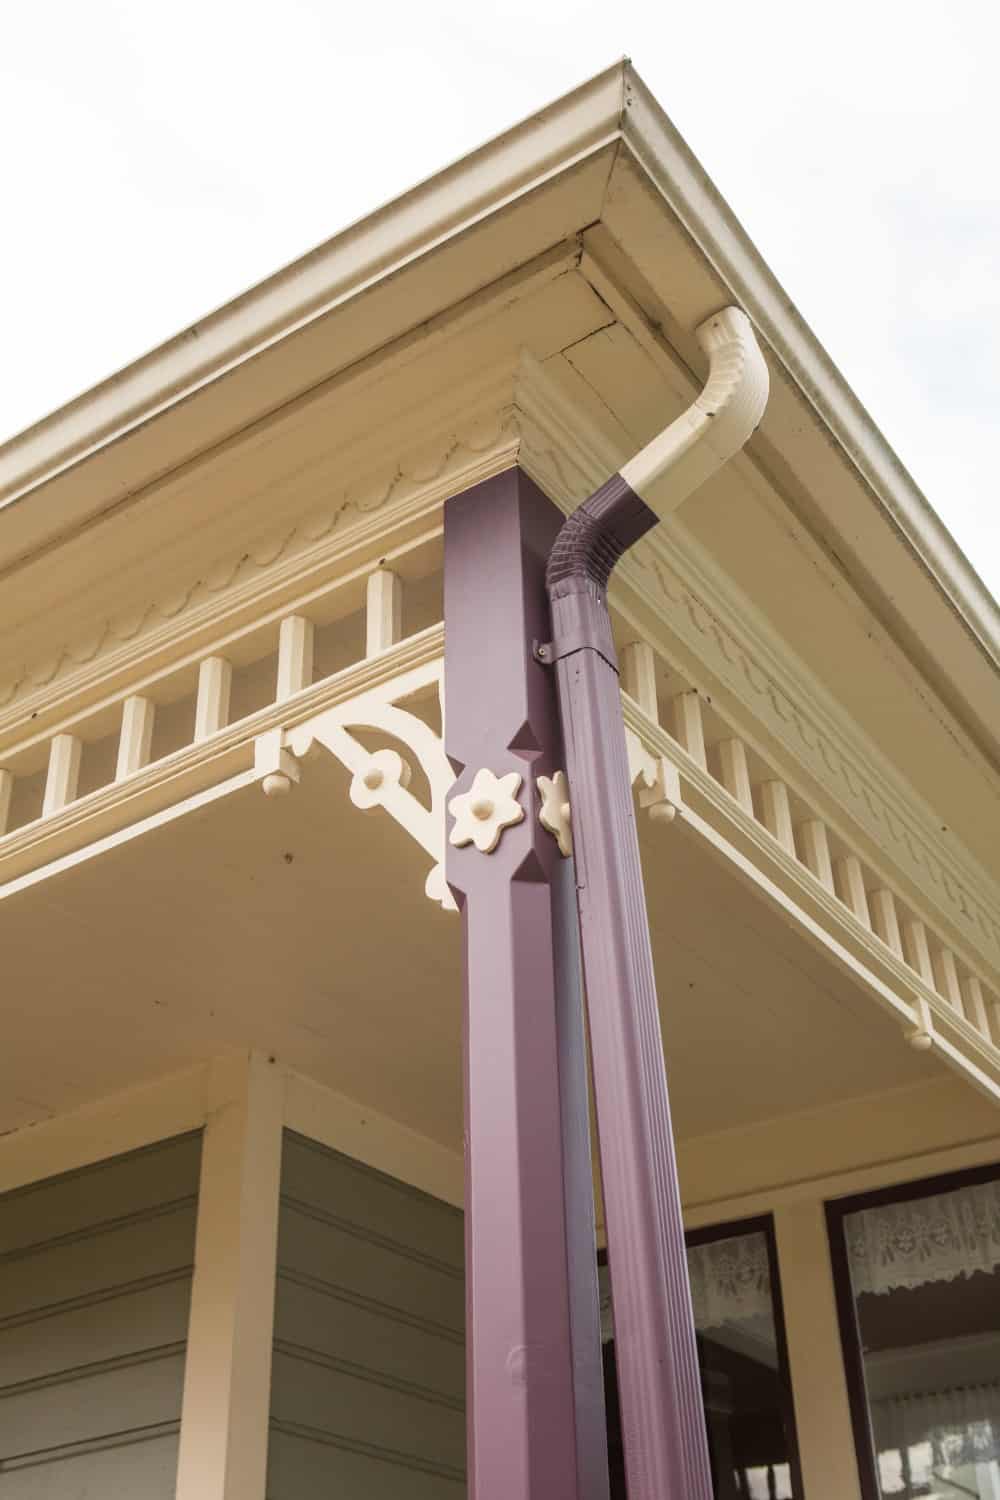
<point>534,1370</point>
<point>227,1373</point>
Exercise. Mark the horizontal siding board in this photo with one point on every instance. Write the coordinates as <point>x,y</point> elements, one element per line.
<point>346,1259</point>
<point>368,1376</point>
<point>118,1327</point>
<point>91,1405</point>
<point>124,1185</point>
<point>364,1410</point>
<point>401,1351</point>
<point>138,1470</point>
<point>90,1262</point>
<point>95,1293</point>
<point>312,1174</point>
<point>302,1467</point>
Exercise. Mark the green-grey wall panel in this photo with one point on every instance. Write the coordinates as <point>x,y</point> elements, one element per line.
<point>368,1379</point>
<point>95,1292</point>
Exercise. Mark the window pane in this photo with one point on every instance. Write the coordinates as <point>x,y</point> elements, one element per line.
<point>925,1276</point>
<point>744,1381</point>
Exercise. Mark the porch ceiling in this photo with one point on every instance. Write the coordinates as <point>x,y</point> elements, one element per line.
<point>300,927</point>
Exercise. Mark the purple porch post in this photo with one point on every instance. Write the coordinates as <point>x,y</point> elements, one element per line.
<point>534,1380</point>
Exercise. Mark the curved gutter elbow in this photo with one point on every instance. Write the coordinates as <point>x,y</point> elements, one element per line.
<point>716,426</point>
<point>661,475</point>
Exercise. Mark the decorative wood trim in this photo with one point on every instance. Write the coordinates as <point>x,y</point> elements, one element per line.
<point>383,611</point>
<point>381,779</point>
<point>707,811</point>
<point>777,814</point>
<point>295,656</point>
<point>136,736</point>
<point>193,770</point>
<point>215,683</point>
<point>227,1372</point>
<point>6,788</point>
<point>63,773</point>
<point>849,882</point>
<point>710,628</point>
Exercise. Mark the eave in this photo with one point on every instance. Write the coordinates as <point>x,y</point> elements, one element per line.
<point>540,184</point>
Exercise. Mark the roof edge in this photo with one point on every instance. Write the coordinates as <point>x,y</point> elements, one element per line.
<point>542,145</point>
<point>693,198</point>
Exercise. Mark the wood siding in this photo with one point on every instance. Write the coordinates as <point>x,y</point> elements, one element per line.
<point>368,1382</point>
<point>95,1287</point>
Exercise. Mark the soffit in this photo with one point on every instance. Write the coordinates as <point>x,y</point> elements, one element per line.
<point>300,927</point>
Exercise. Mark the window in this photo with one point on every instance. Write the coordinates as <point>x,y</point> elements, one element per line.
<point>917,1272</point>
<point>736,1301</point>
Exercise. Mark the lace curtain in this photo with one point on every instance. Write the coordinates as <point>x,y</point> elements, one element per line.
<point>928,1239</point>
<point>961,1425</point>
<point>730,1284</point>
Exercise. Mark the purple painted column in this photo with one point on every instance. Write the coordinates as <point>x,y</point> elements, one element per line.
<point>534,1381</point>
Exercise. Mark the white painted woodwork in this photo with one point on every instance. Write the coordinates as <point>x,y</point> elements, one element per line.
<point>136,737</point>
<point>227,1379</point>
<point>815,845</point>
<point>885,920</point>
<point>777,813</point>
<point>735,773</point>
<point>6,791</point>
<point>916,950</point>
<point>688,727</point>
<point>638,667</point>
<point>383,611</point>
<point>815,1357</point>
<point>381,779</point>
<point>849,881</point>
<point>215,682</point>
<point>295,656</point>
<point>974,1004</point>
<point>63,773</point>
<point>946,977</point>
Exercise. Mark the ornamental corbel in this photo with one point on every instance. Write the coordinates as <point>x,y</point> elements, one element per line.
<point>379,778</point>
<point>658,780</point>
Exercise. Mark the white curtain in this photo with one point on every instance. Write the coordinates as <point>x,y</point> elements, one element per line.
<point>928,1239</point>
<point>730,1281</point>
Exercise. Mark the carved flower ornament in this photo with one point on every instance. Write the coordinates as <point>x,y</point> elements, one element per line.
<point>483,812</point>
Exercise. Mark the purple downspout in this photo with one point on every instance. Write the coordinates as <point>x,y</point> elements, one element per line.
<point>663,1422</point>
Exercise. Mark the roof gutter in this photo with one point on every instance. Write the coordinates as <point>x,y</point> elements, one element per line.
<point>663,1427</point>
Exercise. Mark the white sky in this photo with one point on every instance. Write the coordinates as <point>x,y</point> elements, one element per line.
<point>159,158</point>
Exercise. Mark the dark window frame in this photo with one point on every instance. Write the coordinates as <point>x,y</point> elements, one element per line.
<point>731,1229</point>
<point>837,1210</point>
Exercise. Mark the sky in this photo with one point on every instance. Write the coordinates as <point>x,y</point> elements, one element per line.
<point>160,158</point>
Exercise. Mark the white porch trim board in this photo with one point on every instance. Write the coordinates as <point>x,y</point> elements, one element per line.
<point>227,1377</point>
<point>816,1363</point>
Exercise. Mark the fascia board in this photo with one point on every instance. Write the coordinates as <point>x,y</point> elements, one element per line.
<point>542,150</point>
<point>726,248</point>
